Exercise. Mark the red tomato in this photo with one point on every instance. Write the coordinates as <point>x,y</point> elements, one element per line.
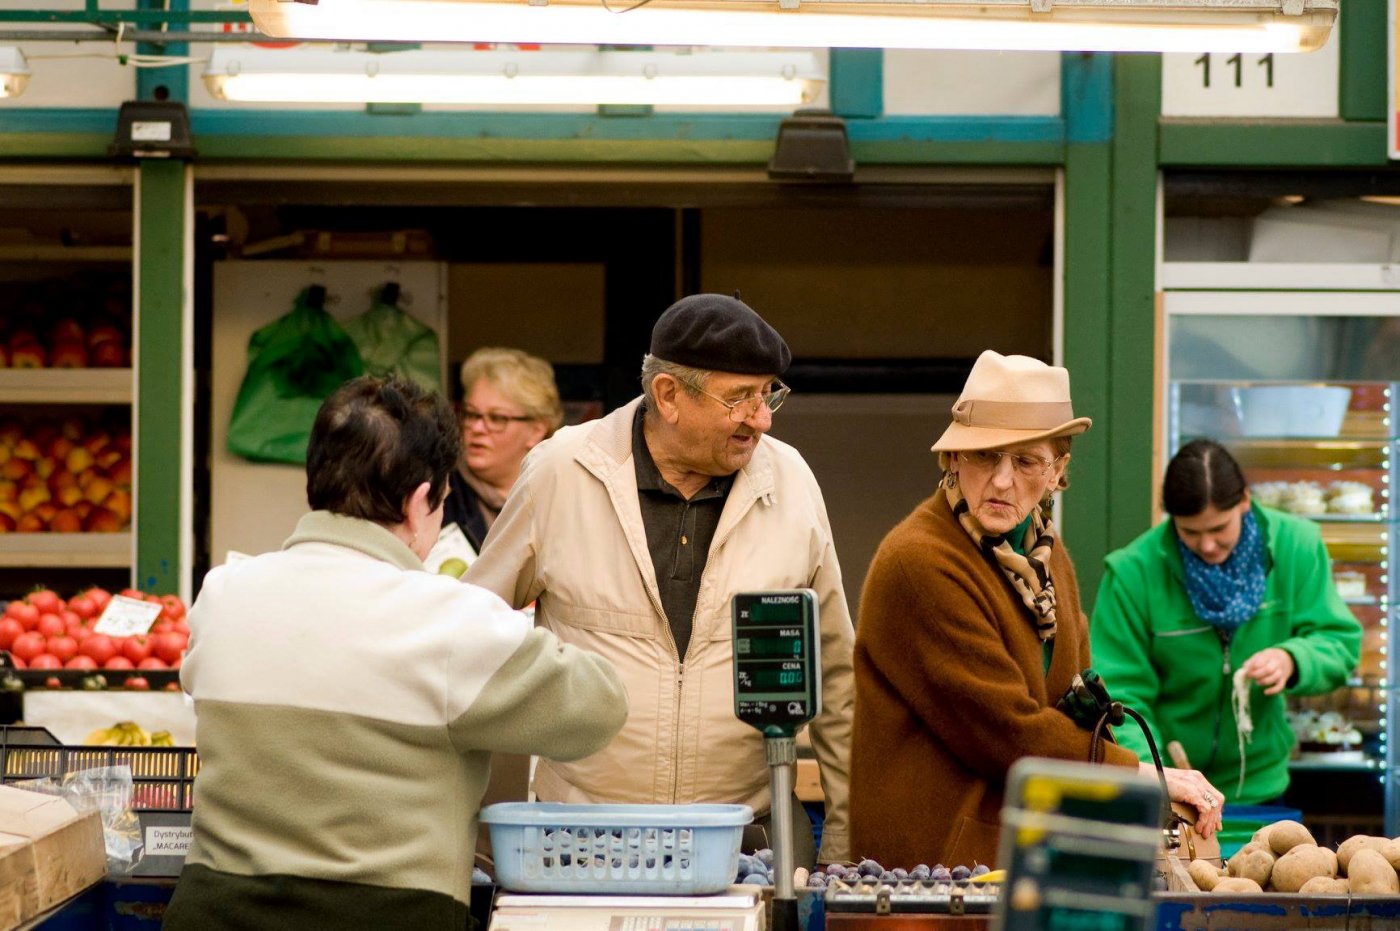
<point>137,682</point>
<point>99,647</point>
<point>28,645</point>
<point>100,597</point>
<point>46,661</point>
<point>64,647</point>
<point>181,627</point>
<point>46,600</point>
<point>75,628</point>
<point>152,662</point>
<point>19,663</point>
<point>52,683</point>
<point>83,606</point>
<point>119,662</point>
<point>26,614</point>
<point>69,616</point>
<point>51,625</point>
<point>174,607</point>
<point>81,662</point>
<point>162,627</point>
<point>9,630</point>
<point>136,648</point>
<point>172,686</point>
<point>169,647</point>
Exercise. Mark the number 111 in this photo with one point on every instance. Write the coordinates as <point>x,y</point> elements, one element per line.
<point>1237,60</point>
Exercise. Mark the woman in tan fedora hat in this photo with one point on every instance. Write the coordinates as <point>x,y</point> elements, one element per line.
<point>971,630</point>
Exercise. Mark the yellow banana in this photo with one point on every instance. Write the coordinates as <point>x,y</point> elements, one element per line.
<point>995,876</point>
<point>162,739</point>
<point>102,737</point>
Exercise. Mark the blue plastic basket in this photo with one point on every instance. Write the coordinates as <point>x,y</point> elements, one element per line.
<point>631,849</point>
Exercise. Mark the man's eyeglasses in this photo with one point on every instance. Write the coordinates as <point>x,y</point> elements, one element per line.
<point>1025,465</point>
<point>495,422</point>
<point>744,408</point>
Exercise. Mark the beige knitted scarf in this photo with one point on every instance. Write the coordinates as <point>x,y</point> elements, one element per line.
<point>1029,575</point>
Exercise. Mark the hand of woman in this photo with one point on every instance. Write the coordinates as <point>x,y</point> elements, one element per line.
<point>1190,787</point>
<point>1271,668</point>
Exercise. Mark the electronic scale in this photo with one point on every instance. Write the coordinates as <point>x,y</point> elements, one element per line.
<point>777,689</point>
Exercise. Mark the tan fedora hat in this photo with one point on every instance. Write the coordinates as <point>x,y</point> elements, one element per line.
<point>1010,399</point>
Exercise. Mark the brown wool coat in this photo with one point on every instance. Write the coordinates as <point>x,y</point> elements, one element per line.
<point>950,691</point>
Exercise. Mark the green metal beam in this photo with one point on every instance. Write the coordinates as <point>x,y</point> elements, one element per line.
<point>1272,144</point>
<point>95,16</point>
<point>161,371</point>
<point>1363,60</point>
<point>1132,278</point>
<point>1087,83</point>
<point>857,82</point>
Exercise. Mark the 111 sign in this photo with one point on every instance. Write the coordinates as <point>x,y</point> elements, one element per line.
<point>1235,67</point>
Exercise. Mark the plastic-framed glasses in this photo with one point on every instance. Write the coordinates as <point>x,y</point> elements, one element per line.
<point>744,408</point>
<point>495,422</point>
<point>1026,465</point>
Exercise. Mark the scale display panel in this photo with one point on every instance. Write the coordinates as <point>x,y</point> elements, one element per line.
<point>777,660</point>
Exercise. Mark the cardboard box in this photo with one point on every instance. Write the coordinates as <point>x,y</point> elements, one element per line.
<point>48,853</point>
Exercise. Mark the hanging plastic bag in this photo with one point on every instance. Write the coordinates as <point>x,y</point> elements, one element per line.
<point>393,343</point>
<point>294,364</point>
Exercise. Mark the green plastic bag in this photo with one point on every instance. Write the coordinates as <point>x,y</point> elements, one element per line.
<point>294,364</point>
<point>393,343</point>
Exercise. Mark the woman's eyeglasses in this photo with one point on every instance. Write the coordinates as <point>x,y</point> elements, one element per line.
<point>1025,465</point>
<point>744,408</point>
<point>495,422</point>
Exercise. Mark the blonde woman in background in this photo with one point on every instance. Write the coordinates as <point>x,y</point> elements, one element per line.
<point>510,404</point>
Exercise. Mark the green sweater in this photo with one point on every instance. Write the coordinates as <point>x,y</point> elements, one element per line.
<point>1173,668</point>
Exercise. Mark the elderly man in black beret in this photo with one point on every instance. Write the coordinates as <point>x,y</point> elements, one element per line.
<point>632,533</point>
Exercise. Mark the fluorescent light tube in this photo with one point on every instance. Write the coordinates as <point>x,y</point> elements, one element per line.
<point>732,79</point>
<point>14,71</point>
<point>1076,25</point>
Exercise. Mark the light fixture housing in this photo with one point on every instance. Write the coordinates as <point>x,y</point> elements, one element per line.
<point>14,71</point>
<point>1071,25</point>
<point>538,77</point>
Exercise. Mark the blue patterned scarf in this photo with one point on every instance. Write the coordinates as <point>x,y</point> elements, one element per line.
<point>1227,595</point>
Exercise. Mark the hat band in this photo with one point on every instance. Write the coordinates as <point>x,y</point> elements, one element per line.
<point>1013,415</point>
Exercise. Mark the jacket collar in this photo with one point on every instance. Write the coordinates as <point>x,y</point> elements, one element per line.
<point>1170,552</point>
<point>354,533</point>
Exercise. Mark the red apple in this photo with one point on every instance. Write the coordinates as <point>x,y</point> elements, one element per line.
<point>67,329</point>
<point>66,521</point>
<point>110,355</point>
<point>101,520</point>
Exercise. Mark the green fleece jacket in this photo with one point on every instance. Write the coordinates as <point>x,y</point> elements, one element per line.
<point>1159,658</point>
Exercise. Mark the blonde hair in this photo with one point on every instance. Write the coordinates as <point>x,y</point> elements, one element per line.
<point>527,380</point>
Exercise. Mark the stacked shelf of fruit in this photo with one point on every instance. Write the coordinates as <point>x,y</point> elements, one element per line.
<point>57,324</point>
<point>65,475</point>
<point>52,643</point>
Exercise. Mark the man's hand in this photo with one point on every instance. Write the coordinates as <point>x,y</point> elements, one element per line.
<point>1192,788</point>
<point>1271,668</point>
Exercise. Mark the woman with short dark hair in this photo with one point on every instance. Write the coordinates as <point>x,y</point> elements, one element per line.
<point>1206,620</point>
<point>349,702</point>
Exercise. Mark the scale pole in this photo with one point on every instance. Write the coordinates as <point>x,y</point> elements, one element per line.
<point>782,758</point>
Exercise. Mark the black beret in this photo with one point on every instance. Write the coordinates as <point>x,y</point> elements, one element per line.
<point>721,334</point>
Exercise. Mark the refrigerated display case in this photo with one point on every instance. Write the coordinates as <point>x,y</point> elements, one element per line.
<point>1301,387</point>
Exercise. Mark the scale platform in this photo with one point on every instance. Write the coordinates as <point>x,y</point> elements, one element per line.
<point>739,909</point>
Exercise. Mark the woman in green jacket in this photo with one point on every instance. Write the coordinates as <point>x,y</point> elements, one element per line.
<point>1220,610</point>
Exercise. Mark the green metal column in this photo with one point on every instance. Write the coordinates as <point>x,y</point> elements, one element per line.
<point>857,82</point>
<point>1132,280</point>
<point>1087,105</point>
<point>164,376</point>
<point>171,82</point>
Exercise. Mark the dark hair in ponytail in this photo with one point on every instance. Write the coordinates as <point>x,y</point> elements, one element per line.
<point>1202,474</point>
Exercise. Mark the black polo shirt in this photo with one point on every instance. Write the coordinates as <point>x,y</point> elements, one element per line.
<point>679,533</point>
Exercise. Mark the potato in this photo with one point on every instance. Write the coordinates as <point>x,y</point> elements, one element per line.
<point>1356,842</point>
<point>1283,836</point>
<point>1256,865</point>
<point>1325,885</point>
<point>1237,884</point>
<point>1391,851</point>
<point>1205,874</point>
<point>1370,874</point>
<point>1302,863</point>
